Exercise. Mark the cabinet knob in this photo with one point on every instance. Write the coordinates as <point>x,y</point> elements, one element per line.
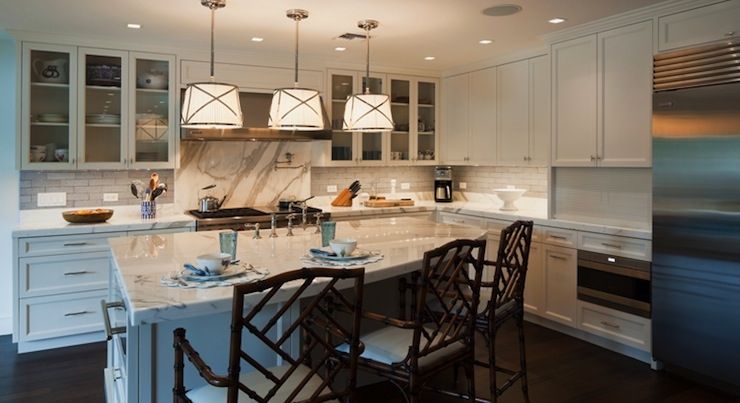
<point>593,158</point>
<point>731,33</point>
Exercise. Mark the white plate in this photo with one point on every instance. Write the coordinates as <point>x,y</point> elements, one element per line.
<point>231,271</point>
<point>356,254</point>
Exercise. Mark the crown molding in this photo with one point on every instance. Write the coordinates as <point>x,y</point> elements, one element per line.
<point>626,18</point>
<point>497,61</point>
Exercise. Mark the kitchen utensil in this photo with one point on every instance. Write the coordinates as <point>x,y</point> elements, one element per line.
<point>87,216</point>
<point>51,71</point>
<point>380,203</point>
<point>153,181</point>
<point>213,263</point>
<point>209,204</point>
<point>152,79</point>
<point>343,247</point>
<point>139,185</point>
<point>61,154</point>
<point>328,230</point>
<point>134,191</point>
<point>227,242</point>
<point>156,193</point>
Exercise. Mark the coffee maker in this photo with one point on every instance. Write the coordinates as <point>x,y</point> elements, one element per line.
<point>443,184</point>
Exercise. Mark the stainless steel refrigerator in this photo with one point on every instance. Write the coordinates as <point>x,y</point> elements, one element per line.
<point>696,211</point>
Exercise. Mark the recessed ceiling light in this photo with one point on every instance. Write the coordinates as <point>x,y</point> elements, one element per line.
<point>485,41</point>
<point>134,26</point>
<point>502,10</point>
<point>429,58</point>
<point>257,39</point>
<point>340,49</point>
<point>556,20</point>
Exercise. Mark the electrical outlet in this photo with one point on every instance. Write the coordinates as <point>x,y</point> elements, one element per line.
<point>51,199</point>
<point>331,189</point>
<point>463,185</point>
<point>110,197</point>
<point>405,186</point>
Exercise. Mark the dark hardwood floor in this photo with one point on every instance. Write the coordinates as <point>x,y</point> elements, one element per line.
<point>561,369</point>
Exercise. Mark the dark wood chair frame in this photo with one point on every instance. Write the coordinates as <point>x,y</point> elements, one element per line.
<point>445,279</point>
<point>507,303</point>
<point>314,315</point>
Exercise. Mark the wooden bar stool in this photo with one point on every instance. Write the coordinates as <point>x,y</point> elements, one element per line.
<point>299,379</point>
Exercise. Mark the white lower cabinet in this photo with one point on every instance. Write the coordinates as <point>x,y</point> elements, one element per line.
<point>560,267</point>
<point>615,325</point>
<point>534,285</point>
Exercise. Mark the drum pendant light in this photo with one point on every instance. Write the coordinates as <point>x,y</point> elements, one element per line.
<point>366,112</point>
<point>211,105</point>
<point>296,108</point>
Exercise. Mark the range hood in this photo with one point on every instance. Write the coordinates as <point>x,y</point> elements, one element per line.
<point>256,110</point>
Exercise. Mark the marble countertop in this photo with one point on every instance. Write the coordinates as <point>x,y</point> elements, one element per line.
<point>483,206</point>
<point>140,262</point>
<point>46,222</point>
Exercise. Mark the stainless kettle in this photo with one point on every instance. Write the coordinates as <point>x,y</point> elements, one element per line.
<point>208,203</point>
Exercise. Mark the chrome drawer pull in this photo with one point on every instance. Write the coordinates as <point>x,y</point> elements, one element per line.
<point>558,237</point>
<point>76,313</point>
<point>611,245</point>
<point>74,244</point>
<point>558,257</point>
<point>76,273</point>
<point>611,325</point>
<point>110,331</point>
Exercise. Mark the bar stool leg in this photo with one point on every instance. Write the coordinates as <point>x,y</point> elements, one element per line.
<point>522,356</point>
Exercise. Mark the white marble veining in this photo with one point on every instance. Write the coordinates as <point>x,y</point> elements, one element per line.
<point>140,262</point>
<point>46,222</point>
<point>243,171</point>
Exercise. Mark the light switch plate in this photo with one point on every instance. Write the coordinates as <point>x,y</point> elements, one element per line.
<point>405,186</point>
<point>331,189</point>
<point>463,185</point>
<point>51,199</point>
<point>110,197</point>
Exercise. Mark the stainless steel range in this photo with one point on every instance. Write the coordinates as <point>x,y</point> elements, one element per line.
<point>238,219</point>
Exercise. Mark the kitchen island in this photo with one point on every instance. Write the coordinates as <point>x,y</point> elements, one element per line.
<point>141,356</point>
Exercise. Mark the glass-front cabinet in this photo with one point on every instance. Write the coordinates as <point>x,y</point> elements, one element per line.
<point>349,148</point>
<point>48,109</point>
<point>426,142</point>
<point>413,103</point>
<point>85,108</point>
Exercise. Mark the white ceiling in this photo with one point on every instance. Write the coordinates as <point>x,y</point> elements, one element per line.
<point>409,29</point>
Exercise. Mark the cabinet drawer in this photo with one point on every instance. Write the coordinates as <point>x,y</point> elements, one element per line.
<point>46,275</point>
<point>56,245</point>
<point>616,245</point>
<point>61,315</point>
<point>618,326</point>
<point>559,237</point>
<point>447,218</point>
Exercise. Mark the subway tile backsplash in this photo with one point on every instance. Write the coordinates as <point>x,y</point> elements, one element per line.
<point>421,179</point>
<point>86,188</point>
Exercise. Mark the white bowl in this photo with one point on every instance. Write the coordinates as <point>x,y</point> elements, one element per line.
<point>216,263</point>
<point>509,196</point>
<point>343,247</point>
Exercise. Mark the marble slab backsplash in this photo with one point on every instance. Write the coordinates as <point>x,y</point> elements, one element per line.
<point>243,171</point>
<point>86,188</point>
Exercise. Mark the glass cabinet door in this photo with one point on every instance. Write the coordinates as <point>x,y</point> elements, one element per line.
<point>152,137</point>
<point>371,143</point>
<point>49,89</point>
<point>342,86</point>
<point>400,142</point>
<point>101,104</point>
<point>426,135</point>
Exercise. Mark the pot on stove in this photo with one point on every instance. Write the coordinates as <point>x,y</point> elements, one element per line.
<point>209,203</point>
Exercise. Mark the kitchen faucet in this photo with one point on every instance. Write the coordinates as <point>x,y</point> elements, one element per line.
<point>256,227</point>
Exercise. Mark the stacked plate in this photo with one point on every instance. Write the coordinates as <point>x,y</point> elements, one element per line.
<point>52,118</point>
<point>326,257</point>
<point>103,119</point>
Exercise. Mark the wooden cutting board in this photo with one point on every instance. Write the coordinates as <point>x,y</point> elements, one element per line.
<point>389,203</point>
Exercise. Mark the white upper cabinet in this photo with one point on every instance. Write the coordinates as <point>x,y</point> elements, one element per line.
<point>699,25</point>
<point>602,98</point>
<point>456,100</point>
<point>625,91</point>
<point>574,95</point>
<point>483,115</point>
<point>539,116</point>
<point>513,112</point>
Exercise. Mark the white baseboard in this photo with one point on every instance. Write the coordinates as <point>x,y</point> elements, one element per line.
<point>6,325</point>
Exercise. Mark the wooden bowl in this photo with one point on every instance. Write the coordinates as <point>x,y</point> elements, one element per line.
<point>87,216</point>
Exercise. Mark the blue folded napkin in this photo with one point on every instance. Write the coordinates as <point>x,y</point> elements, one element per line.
<point>321,252</point>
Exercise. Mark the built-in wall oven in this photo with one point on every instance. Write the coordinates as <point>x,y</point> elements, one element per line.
<point>614,282</point>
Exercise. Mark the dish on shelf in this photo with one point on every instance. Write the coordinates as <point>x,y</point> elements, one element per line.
<point>102,118</point>
<point>152,80</point>
<point>104,75</point>
<point>52,118</point>
<point>87,216</point>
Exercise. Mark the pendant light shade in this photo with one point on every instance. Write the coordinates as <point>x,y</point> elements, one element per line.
<point>211,105</point>
<point>296,108</point>
<point>366,112</point>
